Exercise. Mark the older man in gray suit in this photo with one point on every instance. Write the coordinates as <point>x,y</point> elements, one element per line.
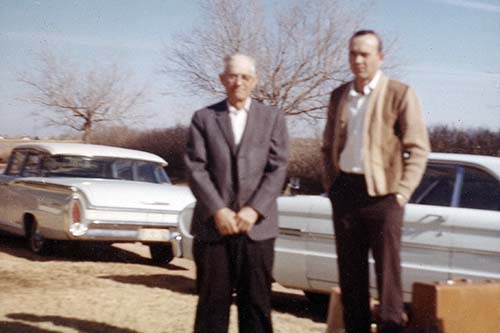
<point>237,157</point>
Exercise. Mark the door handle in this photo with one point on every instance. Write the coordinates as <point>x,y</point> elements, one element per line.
<point>432,219</point>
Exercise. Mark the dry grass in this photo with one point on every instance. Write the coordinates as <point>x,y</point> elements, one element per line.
<point>116,290</point>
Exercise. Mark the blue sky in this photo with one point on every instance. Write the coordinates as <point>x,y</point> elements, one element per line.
<point>449,50</point>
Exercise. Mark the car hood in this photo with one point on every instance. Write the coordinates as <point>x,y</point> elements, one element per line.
<point>123,194</point>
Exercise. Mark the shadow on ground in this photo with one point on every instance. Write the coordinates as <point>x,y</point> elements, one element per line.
<point>293,304</point>
<point>20,327</point>
<point>82,326</point>
<point>299,306</point>
<point>76,251</point>
<point>176,283</point>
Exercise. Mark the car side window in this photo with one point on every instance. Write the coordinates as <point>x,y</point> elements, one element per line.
<point>161,175</point>
<point>145,172</point>
<point>479,190</point>
<point>32,165</point>
<point>436,187</point>
<point>124,169</point>
<point>16,163</point>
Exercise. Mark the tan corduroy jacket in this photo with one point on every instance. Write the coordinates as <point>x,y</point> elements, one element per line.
<point>395,139</point>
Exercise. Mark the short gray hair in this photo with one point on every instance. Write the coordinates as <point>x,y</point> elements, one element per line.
<point>230,59</point>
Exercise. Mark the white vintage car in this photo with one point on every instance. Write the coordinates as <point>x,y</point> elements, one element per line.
<point>451,229</point>
<point>81,192</point>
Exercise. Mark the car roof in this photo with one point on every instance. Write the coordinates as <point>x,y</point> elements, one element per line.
<point>491,163</point>
<point>90,150</point>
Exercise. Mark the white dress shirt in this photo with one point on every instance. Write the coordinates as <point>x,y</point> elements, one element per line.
<point>239,119</point>
<point>351,158</point>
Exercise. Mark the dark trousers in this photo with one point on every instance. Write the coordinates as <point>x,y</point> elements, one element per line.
<point>234,264</point>
<point>364,223</point>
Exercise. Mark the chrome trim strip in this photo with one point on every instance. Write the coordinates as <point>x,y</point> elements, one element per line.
<point>425,247</point>
<point>288,250</point>
<point>42,185</point>
<point>294,214</point>
<point>302,233</point>
<point>318,235</point>
<point>132,210</point>
<point>144,224</point>
<point>475,252</point>
<point>308,235</point>
<point>291,232</point>
<point>119,235</point>
<point>457,229</point>
<point>308,215</point>
<point>314,278</point>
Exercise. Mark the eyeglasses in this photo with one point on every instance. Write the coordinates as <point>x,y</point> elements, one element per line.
<point>235,77</point>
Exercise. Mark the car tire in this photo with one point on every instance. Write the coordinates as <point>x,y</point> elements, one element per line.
<point>36,242</point>
<point>161,253</point>
<point>317,298</point>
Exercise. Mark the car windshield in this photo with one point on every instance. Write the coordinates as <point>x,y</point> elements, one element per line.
<point>102,167</point>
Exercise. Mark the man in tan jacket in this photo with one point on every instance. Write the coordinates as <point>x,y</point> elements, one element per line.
<point>375,149</point>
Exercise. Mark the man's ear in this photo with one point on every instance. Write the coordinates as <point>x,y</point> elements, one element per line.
<point>256,81</point>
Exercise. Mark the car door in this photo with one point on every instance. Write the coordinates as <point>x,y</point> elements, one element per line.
<point>426,234</point>
<point>8,204</point>
<point>428,229</point>
<point>290,248</point>
<point>322,271</point>
<point>22,199</point>
<point>476,226</point>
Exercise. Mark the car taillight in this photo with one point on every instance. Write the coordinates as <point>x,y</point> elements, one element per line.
<point>76,216</point>
<point>77,226</point>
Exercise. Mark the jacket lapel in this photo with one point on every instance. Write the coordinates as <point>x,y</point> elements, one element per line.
<point>344,106</point>
<point>224,122</point>
<point>251,125</point>
<point>375,104</point>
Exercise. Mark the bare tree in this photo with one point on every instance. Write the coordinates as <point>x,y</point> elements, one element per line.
<point>78,99</point>
<point>300,47</point>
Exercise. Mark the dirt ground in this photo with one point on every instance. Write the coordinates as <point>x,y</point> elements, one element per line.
<point>115,289</point>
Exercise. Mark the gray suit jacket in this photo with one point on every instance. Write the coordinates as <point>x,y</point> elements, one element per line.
<point>222,174</point>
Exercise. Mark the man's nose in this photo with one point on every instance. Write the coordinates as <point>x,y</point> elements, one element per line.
<point>358,59</point>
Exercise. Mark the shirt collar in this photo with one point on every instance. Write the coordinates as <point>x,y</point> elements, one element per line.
<point>234,110</point>
<point>368,88</point>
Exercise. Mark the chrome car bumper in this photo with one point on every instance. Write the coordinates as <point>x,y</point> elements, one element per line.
<point>128,231</point>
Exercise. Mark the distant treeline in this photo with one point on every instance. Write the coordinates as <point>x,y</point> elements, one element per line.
<point>305,158</point>
<point>478,141</point>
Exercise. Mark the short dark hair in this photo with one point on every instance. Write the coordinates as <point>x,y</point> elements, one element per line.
<point>368,32</point>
